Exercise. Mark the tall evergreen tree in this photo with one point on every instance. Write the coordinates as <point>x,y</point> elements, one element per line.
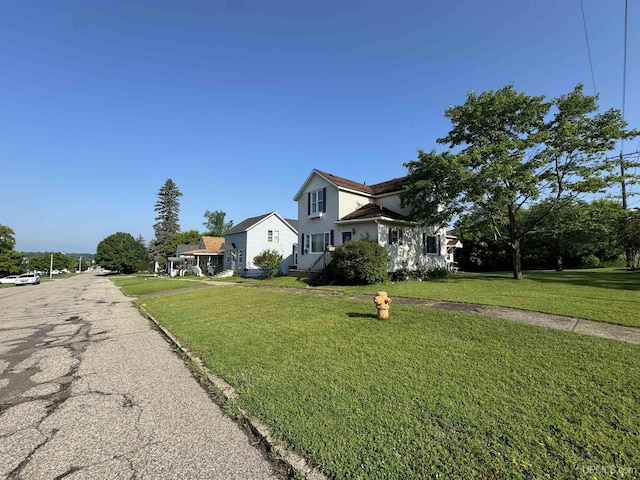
<point>167,221</point>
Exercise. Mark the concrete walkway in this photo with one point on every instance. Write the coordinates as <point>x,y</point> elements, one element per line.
<point>89,391</point>
<point>557,322</point>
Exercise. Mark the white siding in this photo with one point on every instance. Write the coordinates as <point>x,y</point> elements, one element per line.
<point>392,202</point>
<point>409,255</point>
<point>308,225</point>
<point>257,242</point>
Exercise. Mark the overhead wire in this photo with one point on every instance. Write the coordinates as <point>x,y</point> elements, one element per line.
<point>586,36</point>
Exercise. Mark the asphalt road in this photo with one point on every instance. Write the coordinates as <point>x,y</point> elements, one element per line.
<point>88,390</point>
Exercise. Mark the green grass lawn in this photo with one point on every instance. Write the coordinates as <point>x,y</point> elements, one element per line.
<point>606,295</point>
<point>136,285</point>
<point>428,394</point>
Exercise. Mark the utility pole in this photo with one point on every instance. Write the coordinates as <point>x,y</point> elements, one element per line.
<point>51,268</point>
<point>622,183</point>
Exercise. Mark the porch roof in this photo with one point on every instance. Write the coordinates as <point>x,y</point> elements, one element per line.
<point>372,211</point>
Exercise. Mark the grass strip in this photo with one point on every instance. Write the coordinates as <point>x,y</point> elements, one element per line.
<point>606,295</point>
<point>429,394</point>
<point>136,285</point>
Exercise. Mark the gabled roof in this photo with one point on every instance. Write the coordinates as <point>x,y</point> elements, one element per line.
<point>183,248</point>
<point>246,224</point>
<point>293,223</point>
<point>372,211</point>
<point>249,223</point>
<point>382,188</point>
<point>212,246</point>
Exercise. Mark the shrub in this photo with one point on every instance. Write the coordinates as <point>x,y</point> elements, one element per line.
<point>421,274</point>
<point>269,262</point>
<point>359,262</point>
<point>440,272</point>
<point>590,262</point>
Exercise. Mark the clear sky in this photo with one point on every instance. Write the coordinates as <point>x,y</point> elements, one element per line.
<point>237,101</point>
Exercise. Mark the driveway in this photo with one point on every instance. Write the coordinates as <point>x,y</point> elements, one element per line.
<point>89,390</point>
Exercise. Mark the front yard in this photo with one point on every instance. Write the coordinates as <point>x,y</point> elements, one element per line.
<point>428,394</point>
<point>606,294</point>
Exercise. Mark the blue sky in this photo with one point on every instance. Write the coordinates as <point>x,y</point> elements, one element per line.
<point>237,101</point>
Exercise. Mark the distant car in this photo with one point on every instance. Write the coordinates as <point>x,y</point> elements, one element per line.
<point>9,279</point>
<point>28,279</point>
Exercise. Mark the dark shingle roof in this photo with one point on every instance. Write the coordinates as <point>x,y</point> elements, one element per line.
<point>245,224</point>
<point>371,210</point>
<point>394,185</point>
<point>293,223</point>
<point>183,247</point>
<point>250,222</point>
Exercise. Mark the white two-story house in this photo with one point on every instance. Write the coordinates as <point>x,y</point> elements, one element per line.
<point>333,210</point>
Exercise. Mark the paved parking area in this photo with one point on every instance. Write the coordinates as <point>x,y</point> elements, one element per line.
<point>89,390</point>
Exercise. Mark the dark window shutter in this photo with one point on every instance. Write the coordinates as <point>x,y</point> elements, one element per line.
<point>390,236</point>
<point>324,204</point>
<point>331,238</point>
<point>400,237</point>
<point>424,243</point>
<point>301,249</point>
<point>308,203</point>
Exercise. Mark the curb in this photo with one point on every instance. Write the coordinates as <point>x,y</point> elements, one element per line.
<point>292,460</point>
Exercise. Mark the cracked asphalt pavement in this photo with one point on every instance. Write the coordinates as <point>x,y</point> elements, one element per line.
<point>88,390</point>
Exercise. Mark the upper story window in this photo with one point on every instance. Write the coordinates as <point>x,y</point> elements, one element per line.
<point>273,236</point>
<point>317,201</point>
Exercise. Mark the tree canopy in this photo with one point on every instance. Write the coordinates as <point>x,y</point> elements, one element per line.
<point>515,150</point>
<point>42,261</point>
<point>10,260</point>
<point>190,237</point>
<point>121,252</point>
<point>215,225</point>
<point>167,222</point>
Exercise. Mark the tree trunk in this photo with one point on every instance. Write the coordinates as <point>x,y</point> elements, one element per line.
<point>558,262</point>
<point>516,254</point>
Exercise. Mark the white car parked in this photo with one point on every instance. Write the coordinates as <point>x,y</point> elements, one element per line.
<point>28,279</point>
<point>9,279</point>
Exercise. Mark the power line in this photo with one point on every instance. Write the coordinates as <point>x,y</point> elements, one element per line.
<point>624,97</point>
<point>586,36</point>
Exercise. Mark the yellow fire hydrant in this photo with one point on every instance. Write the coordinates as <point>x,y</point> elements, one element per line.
<point>382,302</point>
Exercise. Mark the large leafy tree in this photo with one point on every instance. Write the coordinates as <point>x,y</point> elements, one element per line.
<point>580,229</point>
<point>190,237</point>
<point>514,150</point>
<point>10,260</point>
<point>121,252</point>
<point>167,221</point>
<point>42,262</point>
<point>215,225</point>
<point>629,237</point>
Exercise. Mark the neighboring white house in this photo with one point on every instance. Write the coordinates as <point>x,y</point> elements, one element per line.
<point>333,210</point>
<point>254,235</point>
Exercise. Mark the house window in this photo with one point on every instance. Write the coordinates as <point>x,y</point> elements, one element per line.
<point>429,244</point>
<point>317,242</point>
<point>273,236</point>
<point>396,236</point>
<point>240,259</point>
<point>316,202</point>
